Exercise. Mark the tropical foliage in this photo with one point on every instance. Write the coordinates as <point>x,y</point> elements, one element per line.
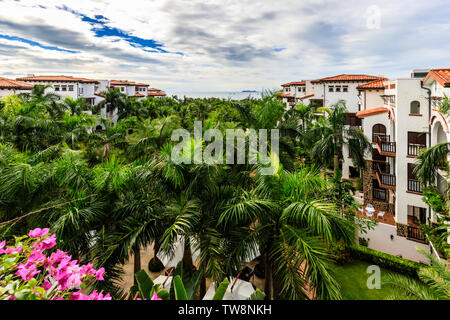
<point>109,193</point>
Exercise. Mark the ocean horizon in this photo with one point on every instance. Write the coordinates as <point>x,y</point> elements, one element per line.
<point>233,95</point>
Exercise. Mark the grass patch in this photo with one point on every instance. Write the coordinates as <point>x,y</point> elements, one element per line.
<point>352,278</point>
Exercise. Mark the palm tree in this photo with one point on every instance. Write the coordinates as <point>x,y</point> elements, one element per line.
<point>434,283</point>
<point>76,106</point>
<point>292,219</point>
<point>114,101</point>
<point>331,136</point>
<point>430,161</point>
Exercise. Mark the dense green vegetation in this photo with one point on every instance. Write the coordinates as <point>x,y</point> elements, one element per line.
<point>109,193</point>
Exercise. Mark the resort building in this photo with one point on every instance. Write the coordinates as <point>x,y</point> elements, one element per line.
<point>131,89</point>
<point>66,86</point>
<point>9,87</point>
<point>399,117</point>
<point>153,92</point>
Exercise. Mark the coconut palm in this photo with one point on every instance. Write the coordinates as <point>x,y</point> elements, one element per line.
<point>75,106</point>
<point>331,135</point>
<point>292,219</point>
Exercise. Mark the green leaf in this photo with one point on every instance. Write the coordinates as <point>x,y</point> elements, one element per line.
<point>257,295</point>
<point>180,292</point>
<point>193,284</point>
<point>145,284</point>
<point>221,290</point>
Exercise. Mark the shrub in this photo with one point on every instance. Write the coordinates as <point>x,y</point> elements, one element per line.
<point>385,260</point>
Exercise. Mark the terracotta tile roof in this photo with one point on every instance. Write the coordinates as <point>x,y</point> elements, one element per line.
<point>371,112</point>
<point>306,97</point>
<point>286,96</point>
<point>154,89</point>
<point>122,83</point>
<point>442,76</point>
<point>142,85</point>
<point>137,94</point>
<point>156,93</point>
<point>14,84</point>
<point>57,78</point>
<point>349,77</point>
<point>377,84</point>
<point>294,83</point>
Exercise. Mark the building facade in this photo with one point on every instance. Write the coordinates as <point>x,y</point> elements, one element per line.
<point>9,87</point>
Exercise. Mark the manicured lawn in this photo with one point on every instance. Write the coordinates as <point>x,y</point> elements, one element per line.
<point>352,278</point>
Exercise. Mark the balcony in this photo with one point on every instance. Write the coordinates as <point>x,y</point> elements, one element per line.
<point>416,234</point>
<point>414,186</point>
<point>384,146</point>
<point>385,179</point>
<point>414,148</point>
<point>379,194</point>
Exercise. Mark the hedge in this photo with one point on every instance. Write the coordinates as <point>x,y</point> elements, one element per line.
<point>386,260</point>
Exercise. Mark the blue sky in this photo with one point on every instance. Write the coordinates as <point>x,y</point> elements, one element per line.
<point>191,45</point>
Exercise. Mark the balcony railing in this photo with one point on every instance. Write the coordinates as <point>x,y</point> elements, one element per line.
<point>415,233</point>
<point>413,149</point>
<point>384,178</point>
<point>385,146</point>
<point>414,186</point>
<point>379,194</point>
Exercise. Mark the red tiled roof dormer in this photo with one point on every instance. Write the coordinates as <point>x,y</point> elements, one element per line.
<point>349,78</point>
<point>14,84</point>
<point>60,78</point>
<point>294,83</point>
<point>442,76</point>
<point>373,85</point>
<point>371,112</point>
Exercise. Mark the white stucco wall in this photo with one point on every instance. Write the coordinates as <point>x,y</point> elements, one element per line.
<point>380,239</point>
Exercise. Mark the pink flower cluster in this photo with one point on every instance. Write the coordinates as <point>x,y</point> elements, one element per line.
<point>58,267</point>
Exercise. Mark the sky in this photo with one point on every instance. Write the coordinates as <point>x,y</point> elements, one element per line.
<point>222,45</point>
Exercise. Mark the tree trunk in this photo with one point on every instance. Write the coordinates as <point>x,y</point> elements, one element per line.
<point>268,288</point>
<point>187,257</point>
<point>137,262</point>
<point>202,288</point>
<point>156,247</point>
<point>336,163</point>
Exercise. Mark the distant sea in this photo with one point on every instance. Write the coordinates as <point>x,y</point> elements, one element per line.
<point>233,95</point>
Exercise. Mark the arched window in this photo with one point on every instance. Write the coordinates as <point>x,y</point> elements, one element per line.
<point>378,130</point>
<point>99,128</point>
<point>415,107</point>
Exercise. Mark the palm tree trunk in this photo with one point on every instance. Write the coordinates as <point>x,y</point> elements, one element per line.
<point>187,257</point>
<point>336,163</point>
<point>202,288</point>
<point>268,286</point>
<point>137,262</point>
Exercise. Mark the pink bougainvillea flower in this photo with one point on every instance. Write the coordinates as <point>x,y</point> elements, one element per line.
<point>27,272</point>
<point>99,274</point>
<point>37,256</point>
<point>2,244</point>
<point>46,285</point>
<point>12,250</point>
<point>38,232</point>
<point>155,296</point>
<point>47,243</point>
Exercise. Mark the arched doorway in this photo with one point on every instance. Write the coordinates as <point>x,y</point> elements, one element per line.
<point>378,130</point>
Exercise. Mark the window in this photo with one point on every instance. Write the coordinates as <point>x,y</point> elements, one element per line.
<point>413,183</point>
<point>56,88</point>
<point>122,88</point>
<point>338,88</point>
<point>63,88</point>
<point>304,89</point>
<point>345,88</point>
<point>352,120</point>
<point>416,141</point>
<point>330,88</point>
<point>415,107</point>
<point>70,87</point>
<point>378,130</point>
